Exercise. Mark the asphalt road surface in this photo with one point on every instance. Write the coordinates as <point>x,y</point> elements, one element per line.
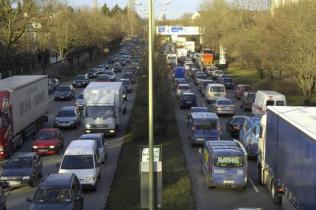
<point>16,198</point>
<point>220,198</point>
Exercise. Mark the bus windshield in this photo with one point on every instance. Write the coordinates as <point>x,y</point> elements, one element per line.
<point>228,161</point>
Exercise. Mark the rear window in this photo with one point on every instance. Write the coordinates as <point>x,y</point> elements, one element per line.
<point>184,87</point>
<point>66,113</point>
<point>217,89</point>
<point>280,103</point>
<point>205,124</point>
<point>270,103</point>
<point>224,102</point>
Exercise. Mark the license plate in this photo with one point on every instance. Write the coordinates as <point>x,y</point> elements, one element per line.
<point>11,183</point>
<point>43,150</point>
<point>228,181</point>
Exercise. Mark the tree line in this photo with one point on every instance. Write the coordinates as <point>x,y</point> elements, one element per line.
<point>276,43</point>
<point>30,29</point>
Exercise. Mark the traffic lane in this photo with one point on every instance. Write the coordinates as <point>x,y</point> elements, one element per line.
<point>16,198</point>
<point>253,196</point>
<point>97,200</point>
<point>219,198</point>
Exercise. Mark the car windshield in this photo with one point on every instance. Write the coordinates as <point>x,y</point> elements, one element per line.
<point>99,111</point>
<point>109,73</point>
<point>199,109</point>
<point>80,96</point>
<point>206,124</point>
<point>18,163</point>
<point>125,82</point>
<point>228,161</point>
<point>80,77</point>
<point>51,195</point>
<point>184,87</point>
<point>238,120</point>
<point>188,97</point>
<point>46,135</point>
<point>224,102</point>
<point>77,162</point>
<point>217,89</point>
<point>66,113</point>
<point>62,89</point>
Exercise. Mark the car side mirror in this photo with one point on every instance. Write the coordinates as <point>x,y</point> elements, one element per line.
<point>29,199</point>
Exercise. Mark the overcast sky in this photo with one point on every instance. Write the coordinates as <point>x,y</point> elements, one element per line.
<point>174,10</point>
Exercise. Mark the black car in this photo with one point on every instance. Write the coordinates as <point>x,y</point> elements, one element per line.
<point>233,125</point>
<point>23,168</point>
<point>92,73</point>
<point>127,85</point>
<point>80,81</point>
<point>228,82</point>
<point>58,191</point>
<point>247,100</point>
<point>64,92</point>
<point>187,100</point>
<point>129,75</point>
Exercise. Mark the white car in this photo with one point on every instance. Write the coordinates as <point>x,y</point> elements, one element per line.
<point>80,101</point>
<point>111,74</point>
<point>102,145</point>
<point>217,74</point>
<point>183,88</point>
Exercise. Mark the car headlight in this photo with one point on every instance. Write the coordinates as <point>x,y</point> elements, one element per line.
<point>90,178</point>
<point>88,126</point>
<point>26,177</point>
<point>112,131</point>
<point>3,178</point>
<point>52,147</point>
<point>35,147</point>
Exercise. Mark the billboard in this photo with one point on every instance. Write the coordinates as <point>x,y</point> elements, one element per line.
<point>177,30</point>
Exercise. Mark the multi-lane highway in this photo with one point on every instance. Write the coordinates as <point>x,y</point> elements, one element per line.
<point>16,198</point>
<point>219,198</point>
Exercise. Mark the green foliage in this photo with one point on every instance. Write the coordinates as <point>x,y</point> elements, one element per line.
<point>105,10</point>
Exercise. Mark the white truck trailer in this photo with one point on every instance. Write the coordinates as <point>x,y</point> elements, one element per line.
<point>23,110</point>
<point>103,107</point>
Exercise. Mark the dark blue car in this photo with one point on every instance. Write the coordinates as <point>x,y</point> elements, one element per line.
<point>187,100</point>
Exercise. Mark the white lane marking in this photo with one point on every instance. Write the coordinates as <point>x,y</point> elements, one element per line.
<point>253,185</point>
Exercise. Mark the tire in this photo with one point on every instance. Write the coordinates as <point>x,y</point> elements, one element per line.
<point>259,176</point>
<point>274,195</point>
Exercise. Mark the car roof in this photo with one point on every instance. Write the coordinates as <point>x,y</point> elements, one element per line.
<point>203,115</point>
<point>80,147</point>
<point>226,147</point>
<point>67,108</point>
<point>49,130</point>
<point>23,155</point>
<point>199,107</point>
<point>91,135</point>
<point>57,180</point>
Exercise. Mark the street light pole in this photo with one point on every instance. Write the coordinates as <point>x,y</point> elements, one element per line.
<point>150,105</point>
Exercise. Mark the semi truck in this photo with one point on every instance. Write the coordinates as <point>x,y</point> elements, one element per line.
<point>179,72</point>
<point>23,110</point>
<point>103,107</point>
<point>287,156</point>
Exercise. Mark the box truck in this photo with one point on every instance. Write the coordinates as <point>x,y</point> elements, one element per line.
<point>103,107</point>
<point>287,155</point>
<point>23,110</point>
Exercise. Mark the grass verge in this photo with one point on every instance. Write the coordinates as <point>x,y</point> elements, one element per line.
<point>287,87</point>
<point>125,190</point>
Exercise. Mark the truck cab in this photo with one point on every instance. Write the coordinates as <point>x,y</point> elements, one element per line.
<point>224,164</point>
<point>203,126</point>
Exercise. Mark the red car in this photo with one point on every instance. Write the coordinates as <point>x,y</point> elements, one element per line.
<point>240,89</point>
<point>48,141</point>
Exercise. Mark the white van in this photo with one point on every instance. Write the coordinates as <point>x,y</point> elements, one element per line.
<point>83,159</point>
<point>214,91</point>
<point>267,98</point>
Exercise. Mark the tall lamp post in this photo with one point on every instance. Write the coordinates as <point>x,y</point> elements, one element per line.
<point>150,104</point>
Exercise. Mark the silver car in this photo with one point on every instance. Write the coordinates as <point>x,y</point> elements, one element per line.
<point>80,101</point>
<point>67,117</point>
<point>223,106</point>
<point>183,88</point>
<point>102,145</point>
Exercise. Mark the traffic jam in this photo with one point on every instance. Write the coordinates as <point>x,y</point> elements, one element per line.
<point>223,119</point>
<point>89,114</point>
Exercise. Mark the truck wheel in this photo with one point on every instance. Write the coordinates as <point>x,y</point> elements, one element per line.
<point>275,196</point>
<point>208,183</point>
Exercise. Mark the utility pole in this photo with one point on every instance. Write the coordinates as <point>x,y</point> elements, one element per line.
<point>151,194</point>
